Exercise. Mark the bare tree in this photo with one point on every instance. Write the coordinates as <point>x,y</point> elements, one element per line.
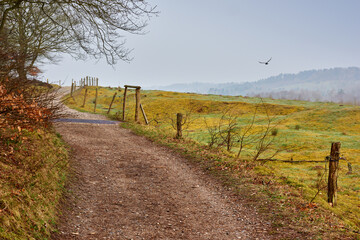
<point>225,131</point>
<point>246,136</point>
<point>93,28</point>
<point>33,31</point>
<point>258,136</point>
<point>228,128</point>
<point>266,138</point>
<point>34,38</point>
<point>213,131</point>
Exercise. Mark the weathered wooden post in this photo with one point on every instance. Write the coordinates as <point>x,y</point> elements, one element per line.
<point>144,114</point>
<point>96,95</point>
<point>97,82</point>
<point>228,140</point>
<point>111,103</point>
<point>349,168</point>
<point>137,98</point>
<point>72,89</point>
<point>137,107</point>
<point>124,102</point>
<point>333,169</point>
<point>85,97</point>
<point>179,118</point>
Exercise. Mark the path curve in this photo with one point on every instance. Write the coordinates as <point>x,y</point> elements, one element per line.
<point>127,187</point>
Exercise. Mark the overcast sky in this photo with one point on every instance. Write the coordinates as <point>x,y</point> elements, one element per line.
<point>223,40</point>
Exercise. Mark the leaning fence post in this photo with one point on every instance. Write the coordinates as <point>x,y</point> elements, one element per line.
<point>137,106</point>
<point>144,114</point>
<point>96,95</point>
<point>84,97</point>
<point>111,103</point>
<point>179,118</point>
<point>333,168</point>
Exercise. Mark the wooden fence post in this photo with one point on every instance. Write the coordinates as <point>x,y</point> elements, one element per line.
<point>96,95</point>
<point>349,168</point>
<point>72,89</point>
<point>97,82</point>
<point>137,107</point>
<point>84,97</point>
<point>333,169</point>
<point>144,114</point>
<point>111,103</point>
<point>179,118</point>
<point>124,102</point>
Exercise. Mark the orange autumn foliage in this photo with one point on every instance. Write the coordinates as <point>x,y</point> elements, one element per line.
<point>17,113</point>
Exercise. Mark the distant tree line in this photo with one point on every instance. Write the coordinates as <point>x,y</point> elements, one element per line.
<point>348,96</point>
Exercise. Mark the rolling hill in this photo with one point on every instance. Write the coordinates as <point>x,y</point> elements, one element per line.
<point>334,84</point>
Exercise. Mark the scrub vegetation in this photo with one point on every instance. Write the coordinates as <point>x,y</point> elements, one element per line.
<point>33,166</point>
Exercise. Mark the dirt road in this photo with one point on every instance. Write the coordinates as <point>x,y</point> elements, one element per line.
<point>126,187</point>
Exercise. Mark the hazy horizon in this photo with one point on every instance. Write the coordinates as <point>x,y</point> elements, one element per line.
<point>209,41</point>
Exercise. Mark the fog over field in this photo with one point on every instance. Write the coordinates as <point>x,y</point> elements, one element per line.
<point>336,85</point>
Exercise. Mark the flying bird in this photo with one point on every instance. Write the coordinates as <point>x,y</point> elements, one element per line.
<point>267,62</point>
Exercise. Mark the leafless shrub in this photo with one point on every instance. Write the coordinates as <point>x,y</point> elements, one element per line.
<point>255,136</point>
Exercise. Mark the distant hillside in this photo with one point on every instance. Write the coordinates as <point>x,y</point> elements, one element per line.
<point>335,84</point>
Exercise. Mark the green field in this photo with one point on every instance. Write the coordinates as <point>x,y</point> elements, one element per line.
<point>297,130</point>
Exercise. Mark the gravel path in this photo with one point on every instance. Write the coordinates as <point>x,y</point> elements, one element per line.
<point>126,187</point>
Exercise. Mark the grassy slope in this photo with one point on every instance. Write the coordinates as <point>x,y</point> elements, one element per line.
<point>31,185</point>
<point>305,131</point>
